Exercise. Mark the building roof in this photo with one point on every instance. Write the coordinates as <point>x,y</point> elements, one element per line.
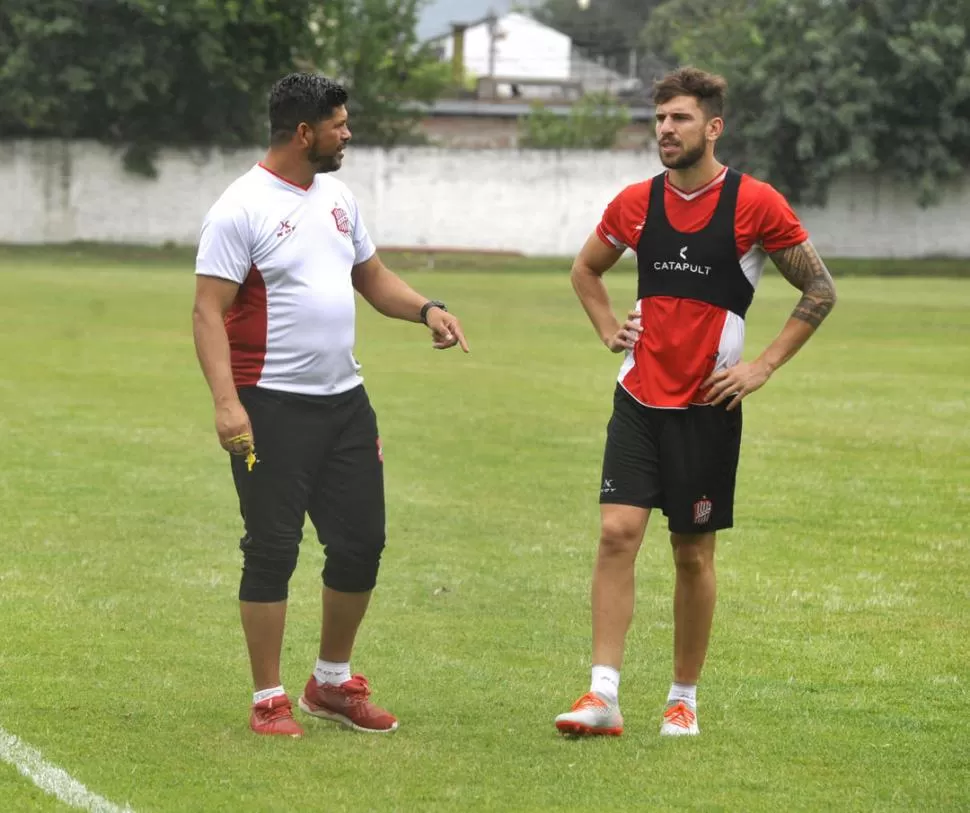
<point>475,107</point>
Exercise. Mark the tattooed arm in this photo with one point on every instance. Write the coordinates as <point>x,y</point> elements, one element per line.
<point>805,270</point>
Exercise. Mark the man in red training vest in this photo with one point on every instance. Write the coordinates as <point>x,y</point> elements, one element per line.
<point>702,233</point>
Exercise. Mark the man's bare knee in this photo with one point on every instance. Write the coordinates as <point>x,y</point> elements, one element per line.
<point>693,554</point>
<point>621,530</point>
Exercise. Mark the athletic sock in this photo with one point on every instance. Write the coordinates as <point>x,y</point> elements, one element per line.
<point>266,694</point>
<point>606,682</point>
<point>683,692</point>
<point>328,672</point>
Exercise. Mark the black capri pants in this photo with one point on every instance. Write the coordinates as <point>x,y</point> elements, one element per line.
<point>318,456</point>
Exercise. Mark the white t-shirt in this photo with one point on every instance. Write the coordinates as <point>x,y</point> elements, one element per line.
<point>291,250</point>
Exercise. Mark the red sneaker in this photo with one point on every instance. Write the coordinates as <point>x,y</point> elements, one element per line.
<point>348,705</point>
<point>275,716</point>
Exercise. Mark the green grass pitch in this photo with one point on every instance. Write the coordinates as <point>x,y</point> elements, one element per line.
<point>838,672</point>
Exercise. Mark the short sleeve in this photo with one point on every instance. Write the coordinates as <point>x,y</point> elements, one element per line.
<point>780,227</point>
<point>224,245</point>
<point>364,247</point>
<point>622,222</point>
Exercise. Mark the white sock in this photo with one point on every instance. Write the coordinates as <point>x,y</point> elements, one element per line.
<point>266,694</point>
<point>606,682</point>
<point>332,673</point>
<point>684,692</point>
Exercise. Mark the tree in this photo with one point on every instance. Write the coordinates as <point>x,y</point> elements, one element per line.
<point>144,73</point>
<point>371,46</point>
<point>683,29</point>
<point>819,89</point>
<point>593,123</point>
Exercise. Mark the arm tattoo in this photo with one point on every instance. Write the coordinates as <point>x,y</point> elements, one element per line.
<point>804,269</point>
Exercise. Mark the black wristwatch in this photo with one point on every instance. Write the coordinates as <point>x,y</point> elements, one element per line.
<point>432,303</point>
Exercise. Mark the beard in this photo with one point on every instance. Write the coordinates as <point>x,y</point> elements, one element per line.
<point>688,157</point>
<point>322,162</point>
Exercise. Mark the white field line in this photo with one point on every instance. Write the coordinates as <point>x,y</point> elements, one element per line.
<point>51,779</point>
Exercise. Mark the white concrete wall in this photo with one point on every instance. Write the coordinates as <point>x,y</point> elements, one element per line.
<point>541,203</point>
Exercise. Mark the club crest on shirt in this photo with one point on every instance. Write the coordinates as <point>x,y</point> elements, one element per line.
<point>341,219</point>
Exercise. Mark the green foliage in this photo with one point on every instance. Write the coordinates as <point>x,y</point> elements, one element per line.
<point>821,89</point>
<point>143,73</point>
<point>371,46</point>
<point>594,123</point>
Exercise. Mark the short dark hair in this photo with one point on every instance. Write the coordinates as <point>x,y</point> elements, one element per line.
<point>299,97</point>
<point>709,89</point>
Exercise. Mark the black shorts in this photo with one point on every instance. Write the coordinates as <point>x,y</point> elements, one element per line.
<point>683,461</point>
<point>318,456</point>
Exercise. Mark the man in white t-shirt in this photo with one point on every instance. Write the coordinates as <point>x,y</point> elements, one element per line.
<point>281,254</point>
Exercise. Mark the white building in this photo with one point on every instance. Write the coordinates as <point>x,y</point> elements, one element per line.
<point>437,16</point>
<point>524,57</point>
<point>513,45</point>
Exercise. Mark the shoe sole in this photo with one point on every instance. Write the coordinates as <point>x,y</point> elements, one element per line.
<point>275,733</point>
<point>333,717</point>
<point>570,729</point>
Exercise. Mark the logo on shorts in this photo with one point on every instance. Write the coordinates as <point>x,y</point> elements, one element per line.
<point>380,451</point>
<point>341,219</point>
<point>608,487</point>
<point>702,511</point>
